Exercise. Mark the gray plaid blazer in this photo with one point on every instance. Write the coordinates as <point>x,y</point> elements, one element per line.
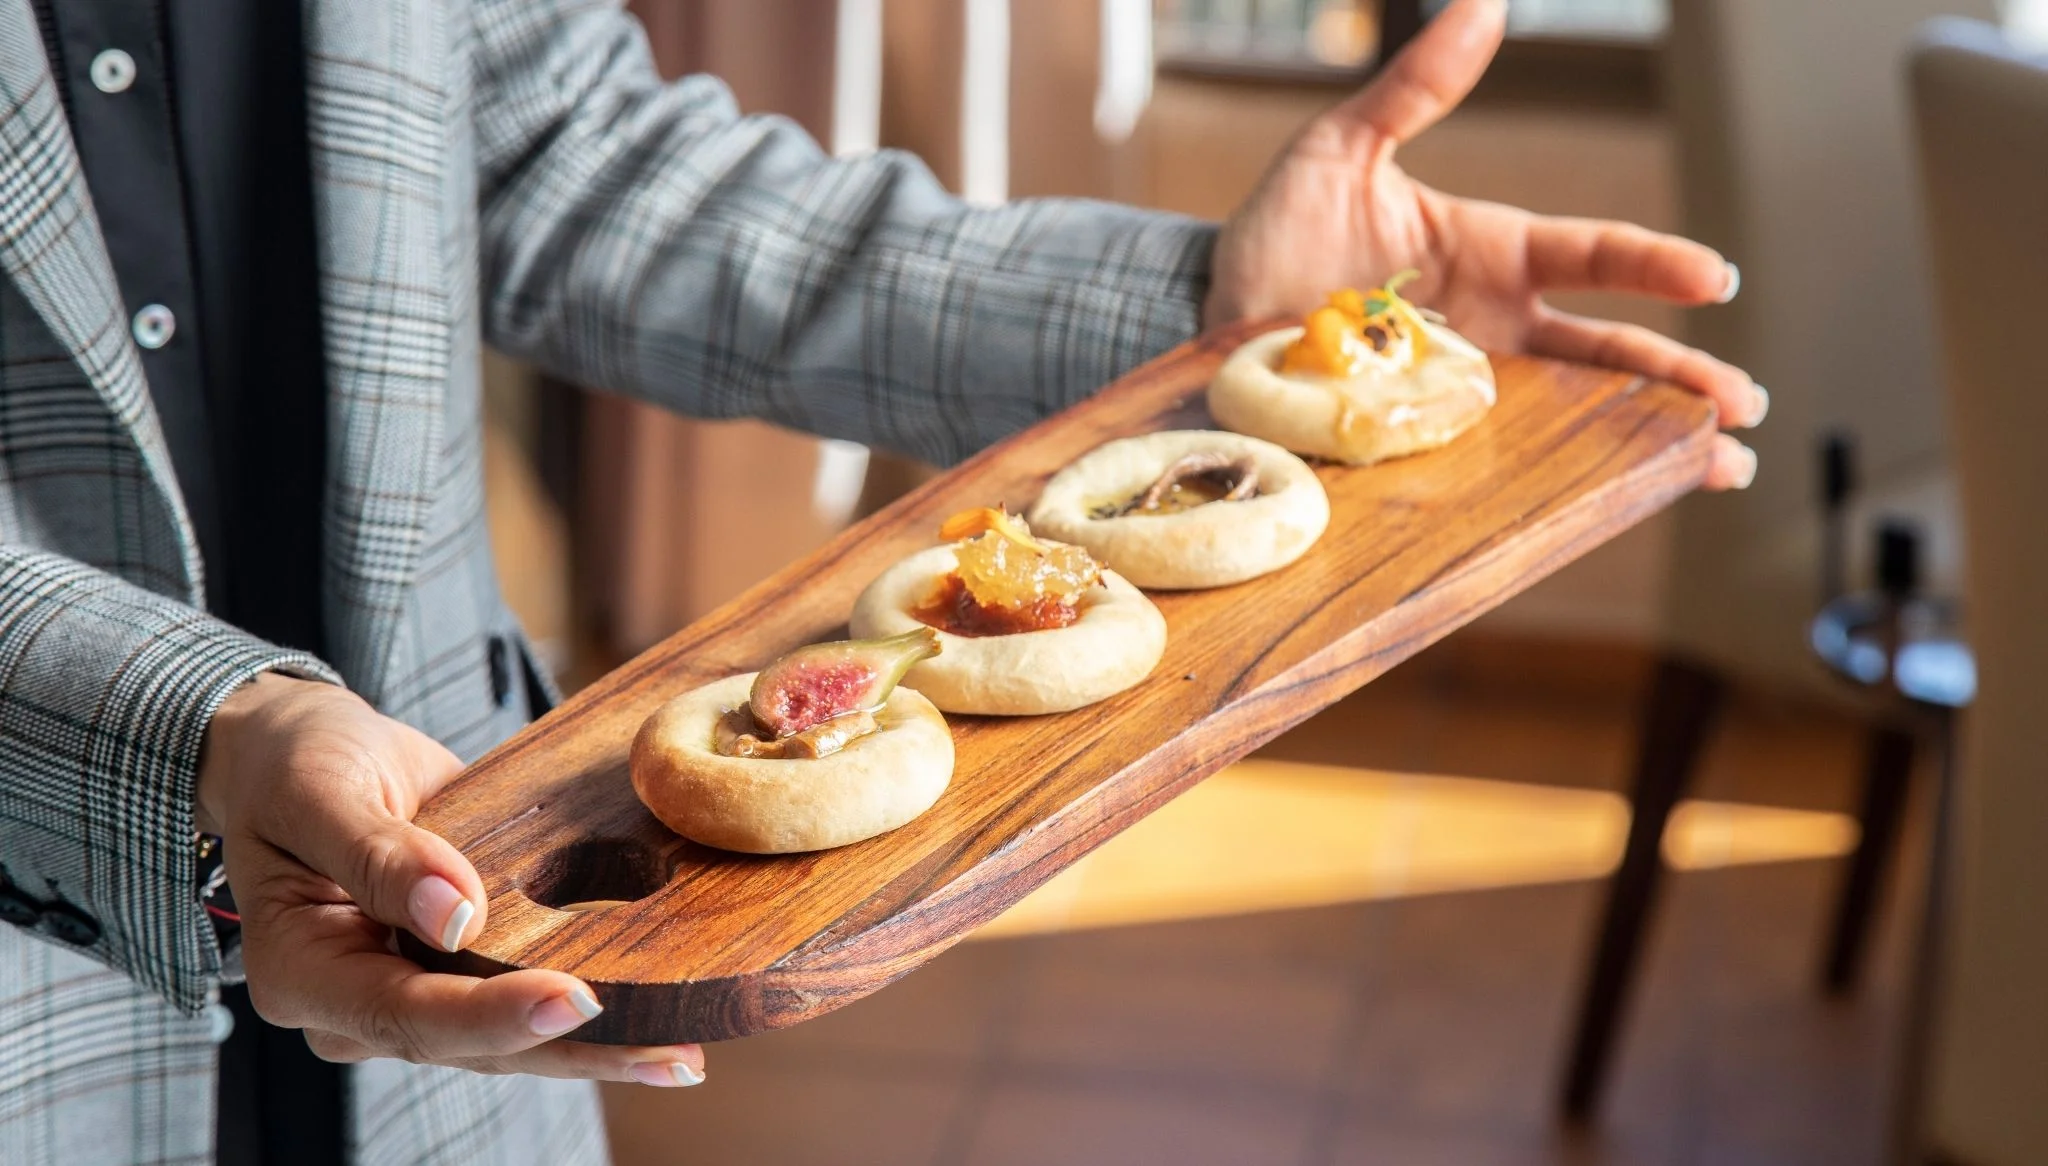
<point>501,170</point>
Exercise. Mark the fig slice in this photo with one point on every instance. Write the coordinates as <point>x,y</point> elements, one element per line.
<point>814,684</point>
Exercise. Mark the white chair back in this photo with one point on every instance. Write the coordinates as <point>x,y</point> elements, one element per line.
<point>1981,109</point>
<point>1794,159</point>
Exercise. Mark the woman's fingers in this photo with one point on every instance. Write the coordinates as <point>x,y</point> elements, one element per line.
<point>1635,349</point>
<point>345,816</point>
<point>327,861</point>
<point>1594,255</point>
<point>1733,467</point>
<point>343,785</point>
<point>321,963</point>
<point>1432,75</point>
<point>336,1048</point>
<point>393,1008</point>
<point>400,874</point>
<point>663,1066</point>
<point>1742,403</point>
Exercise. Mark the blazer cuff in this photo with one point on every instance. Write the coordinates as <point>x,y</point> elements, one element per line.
<point>106,704</point>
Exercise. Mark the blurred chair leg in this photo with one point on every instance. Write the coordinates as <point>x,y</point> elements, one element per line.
<point>1684,700</point>
<point>1888,769</point>
<point>1916,1045</point>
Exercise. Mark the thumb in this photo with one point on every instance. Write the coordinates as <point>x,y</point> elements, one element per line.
<point>408,877</point>
<point>1432,75</point>
<point>398,873</point>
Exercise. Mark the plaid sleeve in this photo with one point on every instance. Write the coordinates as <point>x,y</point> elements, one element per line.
<point>105,694</point>
<point>644,237</point>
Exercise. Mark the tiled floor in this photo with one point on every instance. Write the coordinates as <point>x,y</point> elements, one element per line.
<point>1413,1031</point>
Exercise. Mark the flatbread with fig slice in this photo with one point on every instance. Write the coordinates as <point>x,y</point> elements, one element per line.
<point>820,749</point>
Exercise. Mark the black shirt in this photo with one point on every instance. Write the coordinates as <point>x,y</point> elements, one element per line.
<point>190,122</point>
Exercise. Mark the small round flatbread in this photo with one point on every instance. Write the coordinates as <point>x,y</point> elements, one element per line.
<point>1212,545</point>
<point>1380,413</point>
<point>1116,643</point>
<point>774,806</point>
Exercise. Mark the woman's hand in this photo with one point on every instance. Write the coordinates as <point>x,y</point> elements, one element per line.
<point>1336,210</point>
<point>314,793</point>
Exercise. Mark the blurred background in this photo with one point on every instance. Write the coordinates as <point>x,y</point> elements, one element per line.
<point>1637,868</point>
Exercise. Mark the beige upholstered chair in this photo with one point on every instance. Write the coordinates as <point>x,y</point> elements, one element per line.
<point>1982,111</point>
<point>1794,160</point>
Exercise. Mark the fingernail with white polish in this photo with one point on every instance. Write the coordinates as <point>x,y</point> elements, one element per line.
<point>1734,284</point>
<point>1748,473</point>
<point>558,1015</point>
<point>1762,409</point>
<point>667,1076</point>
<point>451,936</point>
<point>438,909</point>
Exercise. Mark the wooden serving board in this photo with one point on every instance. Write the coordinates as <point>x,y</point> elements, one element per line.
<point>713,945</point>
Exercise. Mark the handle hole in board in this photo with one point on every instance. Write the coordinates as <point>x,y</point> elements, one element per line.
<point>597,873</point>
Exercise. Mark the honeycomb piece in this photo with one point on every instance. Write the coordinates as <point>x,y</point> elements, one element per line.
<point>1002,572</point>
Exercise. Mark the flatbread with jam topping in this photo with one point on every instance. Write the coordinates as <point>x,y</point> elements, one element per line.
<point>1026,625</point>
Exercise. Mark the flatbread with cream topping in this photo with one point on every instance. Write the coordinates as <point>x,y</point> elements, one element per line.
<point>1367,377</point>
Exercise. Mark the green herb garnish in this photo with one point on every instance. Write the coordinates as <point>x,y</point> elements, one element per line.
<point>1383,298</point>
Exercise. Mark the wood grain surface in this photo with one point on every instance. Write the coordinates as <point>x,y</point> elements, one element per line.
<point>711,945</point>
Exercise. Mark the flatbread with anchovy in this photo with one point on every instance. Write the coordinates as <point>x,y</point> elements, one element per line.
<point>1186,508</point>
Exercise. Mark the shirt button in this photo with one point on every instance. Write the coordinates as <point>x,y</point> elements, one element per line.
<point>500,653</point>
<point>153,326</point>
<point>113,71</point>
<point>70,923</point>
<point>17,908</point>
<point>220,1023</point>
